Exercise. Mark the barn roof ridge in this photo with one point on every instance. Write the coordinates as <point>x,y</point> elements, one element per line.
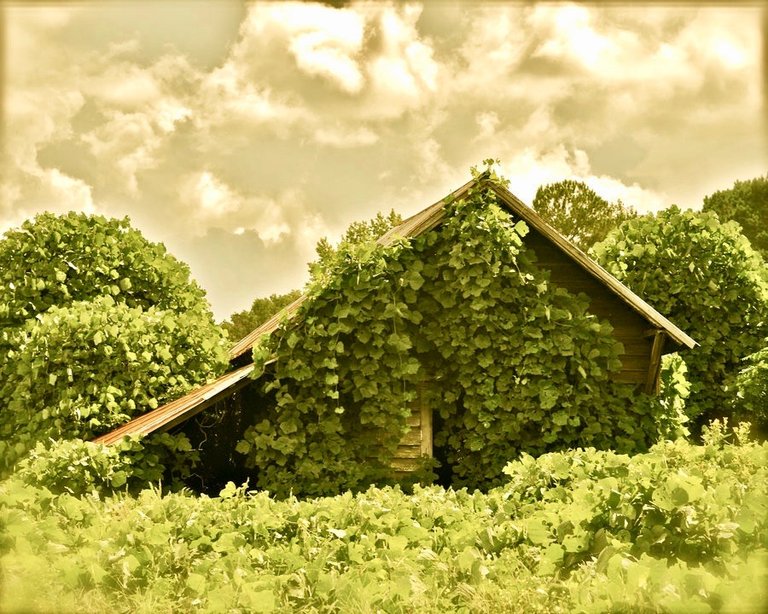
<point>430,217</point>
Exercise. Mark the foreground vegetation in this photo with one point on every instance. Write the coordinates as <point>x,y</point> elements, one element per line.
<point>682,528</point>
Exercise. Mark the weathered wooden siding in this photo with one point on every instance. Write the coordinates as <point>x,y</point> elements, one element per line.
<point>418,441</point>
<point>628,327</point>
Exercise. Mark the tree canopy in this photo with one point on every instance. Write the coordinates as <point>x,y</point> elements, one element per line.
<point>746,203</point>
<point>704,276</point>
<point>578,212</point>
<point>243,322</point>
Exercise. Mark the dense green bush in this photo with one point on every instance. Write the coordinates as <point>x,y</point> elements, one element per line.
<point>752,390</point>
<point>682,528</point>
<point>512,362</point>
<point>54,260</point>
<point>80,467</point>
<point>97,324</point>
<point>705,277</point>
<point>81,370</point>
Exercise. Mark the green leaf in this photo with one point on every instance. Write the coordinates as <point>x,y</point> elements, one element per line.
<point>538,533</point>
<point>400,342</point>
<point>196,582</point>
<point>118,479</point>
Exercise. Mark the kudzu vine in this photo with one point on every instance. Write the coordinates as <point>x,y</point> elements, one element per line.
<point>84,369</point>
<point>97,325</point>
<point>511,362</point>
<point>705,276</point>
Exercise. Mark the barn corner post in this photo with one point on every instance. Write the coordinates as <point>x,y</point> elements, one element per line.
<point>652,382</point>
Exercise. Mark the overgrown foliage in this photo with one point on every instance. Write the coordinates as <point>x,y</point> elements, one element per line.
<point>243,322</point>
<point>511,362</point>
<point>682,528</point>
<point>54,260</point>
<point>674,390</point>
<point>746,203</point>
<point>704,276</point>
<point>97,325</point>
<point>82,467</point>
<point>752,390</point>
<point>578,212</point>
<point>83,369</point>
<point>358,233</point>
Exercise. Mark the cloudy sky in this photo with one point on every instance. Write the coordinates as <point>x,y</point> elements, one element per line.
<point>239,134</point>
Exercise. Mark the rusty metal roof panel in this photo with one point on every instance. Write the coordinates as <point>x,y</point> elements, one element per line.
<point>177,411</point>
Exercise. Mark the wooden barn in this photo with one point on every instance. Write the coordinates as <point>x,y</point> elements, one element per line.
<point>644,333</point>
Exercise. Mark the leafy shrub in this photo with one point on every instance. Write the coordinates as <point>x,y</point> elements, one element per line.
<point>54,260</point>
<point>79,467</point>
<point>681,528</point>
<point>676,502</point>
<point>752,390</point>
<point>707,279</point>
<point>512,363</point>
<point>81,370</point>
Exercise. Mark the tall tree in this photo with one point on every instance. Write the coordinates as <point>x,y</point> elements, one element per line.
<point>704,276</point>
<point>746,203</point>
<point>578,212</point>
<point>243,322</point>
<point>357,235</point>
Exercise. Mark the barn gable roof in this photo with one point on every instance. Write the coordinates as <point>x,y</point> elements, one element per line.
<point>429,218</point>
<point>175,412</point>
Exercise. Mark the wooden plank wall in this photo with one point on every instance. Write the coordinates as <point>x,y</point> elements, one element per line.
<point>629,327</point>
<point>418,441</point>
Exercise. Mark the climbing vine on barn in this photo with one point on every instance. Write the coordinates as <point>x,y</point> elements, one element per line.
<point>512,363</point>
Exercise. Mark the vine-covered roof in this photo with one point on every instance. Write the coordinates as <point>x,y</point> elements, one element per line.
<point>429,218</point>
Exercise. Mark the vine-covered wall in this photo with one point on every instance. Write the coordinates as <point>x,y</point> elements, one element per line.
<point>515,363</point>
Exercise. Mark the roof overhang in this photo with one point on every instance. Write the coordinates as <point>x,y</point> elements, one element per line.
<point>174,413</point>
<point>654,318</point>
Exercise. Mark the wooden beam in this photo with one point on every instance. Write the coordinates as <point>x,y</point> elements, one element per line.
<point>654,366</point>
<point>426,421</point>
